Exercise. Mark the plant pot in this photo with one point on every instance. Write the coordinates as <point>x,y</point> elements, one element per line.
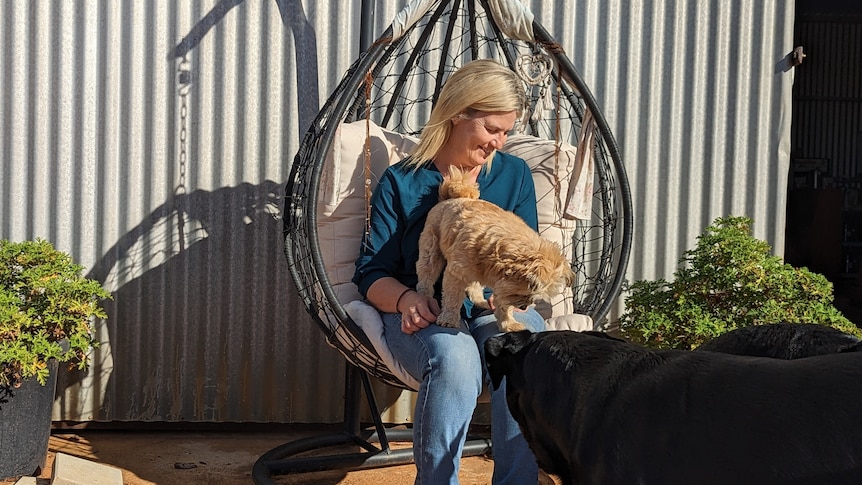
<point>25,425</point>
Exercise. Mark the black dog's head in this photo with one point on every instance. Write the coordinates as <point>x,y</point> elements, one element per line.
<point>506,352</point>
<point>541,371</point>
<point>503,352</point>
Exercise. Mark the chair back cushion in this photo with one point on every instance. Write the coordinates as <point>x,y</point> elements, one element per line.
<point>341,196</point>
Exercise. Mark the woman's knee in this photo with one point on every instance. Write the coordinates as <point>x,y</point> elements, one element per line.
<point>455,364</point>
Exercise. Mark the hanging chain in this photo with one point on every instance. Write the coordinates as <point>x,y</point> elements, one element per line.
<point>184,80</point>
<point>369,80</point>
<point>558,209</point>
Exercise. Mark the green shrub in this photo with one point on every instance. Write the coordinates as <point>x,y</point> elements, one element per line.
<point>46,311</point>
<point>728,281</point>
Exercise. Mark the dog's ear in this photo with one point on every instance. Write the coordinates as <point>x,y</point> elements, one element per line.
<point>569,275</point>
<point>509,342</point>
<point>500,350</point>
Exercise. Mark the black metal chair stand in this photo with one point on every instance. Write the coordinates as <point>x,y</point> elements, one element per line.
<point>296,456</point>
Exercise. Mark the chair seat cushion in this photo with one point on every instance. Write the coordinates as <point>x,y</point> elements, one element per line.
<point>368,319</point>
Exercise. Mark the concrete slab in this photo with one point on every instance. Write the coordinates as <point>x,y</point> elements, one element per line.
<point>26,481</point>
<point>71,470</point>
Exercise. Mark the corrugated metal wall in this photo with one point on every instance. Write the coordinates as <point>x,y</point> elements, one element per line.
<point>699,95</point>
<point>151,139</point>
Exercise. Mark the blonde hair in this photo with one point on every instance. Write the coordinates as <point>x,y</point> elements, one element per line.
<point>479,86</point>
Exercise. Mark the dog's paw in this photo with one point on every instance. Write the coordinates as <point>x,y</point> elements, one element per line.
<point>512,326</point>
<point>449,319</point>
<point>476,294</point>
<point>483,303</point>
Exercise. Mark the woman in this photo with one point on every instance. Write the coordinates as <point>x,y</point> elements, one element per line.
<point>476,109</point>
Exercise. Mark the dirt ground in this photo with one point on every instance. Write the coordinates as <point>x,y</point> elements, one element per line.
<point>219,458</point>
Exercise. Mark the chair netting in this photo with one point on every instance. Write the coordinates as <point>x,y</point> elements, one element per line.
<point>406,76</point>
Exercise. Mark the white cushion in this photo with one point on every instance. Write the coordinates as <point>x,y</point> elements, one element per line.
<point>369,320</point>
<point>572,321</point>
<point>547,172</point>
<point>341,216</point>
<point>341,197</point>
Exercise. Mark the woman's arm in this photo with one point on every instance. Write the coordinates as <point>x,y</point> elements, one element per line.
<point>387,293</point>
<point>375,267</point>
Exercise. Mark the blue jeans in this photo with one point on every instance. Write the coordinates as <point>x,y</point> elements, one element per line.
<point>451,369</point>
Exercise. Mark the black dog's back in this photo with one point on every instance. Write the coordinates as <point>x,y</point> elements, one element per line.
<point>783,341</point>
<point>595,410</point>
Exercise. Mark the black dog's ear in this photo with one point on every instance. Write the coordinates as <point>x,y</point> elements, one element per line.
<point>509,342</point>
<point>499,350</point>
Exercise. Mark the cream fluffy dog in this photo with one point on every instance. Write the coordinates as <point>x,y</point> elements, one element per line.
<point>479,244</point>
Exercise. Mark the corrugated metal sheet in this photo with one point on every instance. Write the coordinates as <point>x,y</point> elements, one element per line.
<point>698,94</point>
<point>151,139</point>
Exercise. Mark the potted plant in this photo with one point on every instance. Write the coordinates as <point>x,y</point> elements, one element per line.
<point>46,318</point>
<point>729,280</point>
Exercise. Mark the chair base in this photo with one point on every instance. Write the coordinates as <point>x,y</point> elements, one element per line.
<point>374,443</point>
<point>282,460</point>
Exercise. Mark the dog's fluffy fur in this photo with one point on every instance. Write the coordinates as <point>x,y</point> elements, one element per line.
<point>596,410</point>
<point>479,244</point>
<point>783,341</point>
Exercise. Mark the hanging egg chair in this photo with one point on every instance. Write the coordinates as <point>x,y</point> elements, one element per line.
<point>380,106</point>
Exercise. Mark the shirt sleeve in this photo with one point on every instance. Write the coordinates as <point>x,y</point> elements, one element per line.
<point>525,204</point>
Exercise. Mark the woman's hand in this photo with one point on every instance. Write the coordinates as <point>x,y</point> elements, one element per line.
<point>417,311</point>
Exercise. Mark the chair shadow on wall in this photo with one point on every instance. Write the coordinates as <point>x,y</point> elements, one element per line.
<point>200,279</point>
<point>202,308</point>
<point>202,297</point>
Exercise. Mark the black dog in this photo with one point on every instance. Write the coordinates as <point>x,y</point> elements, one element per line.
<point>783,341</point>
<point>596,410</point>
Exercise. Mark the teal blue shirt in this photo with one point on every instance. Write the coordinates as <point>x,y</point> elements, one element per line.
<point>401,202</point>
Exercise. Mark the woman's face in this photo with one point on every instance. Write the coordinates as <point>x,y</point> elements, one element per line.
<point>478,135</point>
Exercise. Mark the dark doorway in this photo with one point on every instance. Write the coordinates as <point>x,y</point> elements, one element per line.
<point>824,209</point>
